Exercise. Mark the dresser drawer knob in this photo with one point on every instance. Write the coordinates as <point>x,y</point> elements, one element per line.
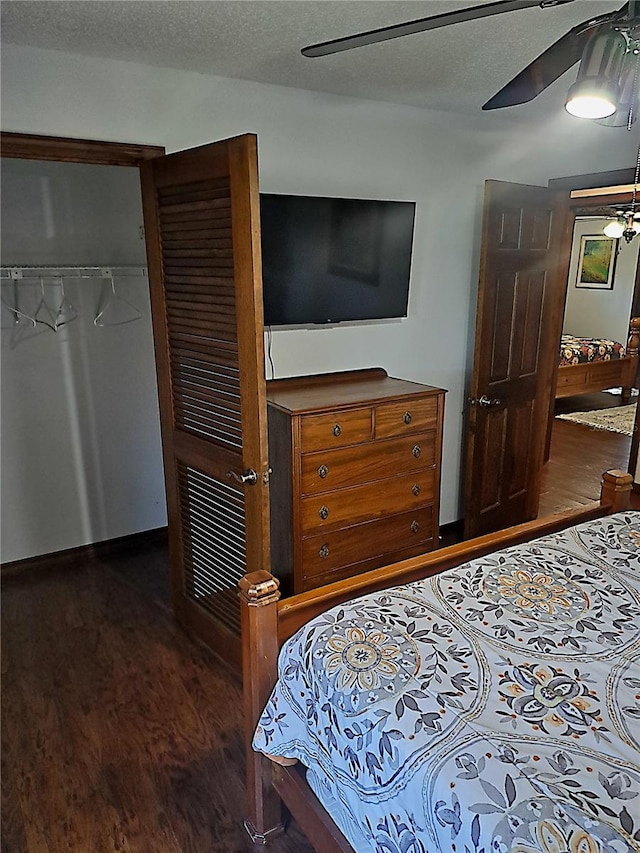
<point>323,512</point>
<point>415,527</point>
<point>415,489</point>
<point>416,451</point>
<point>407,417</point>
<point>337,430</point>
<point>323,553</point>
<point>323,471</point>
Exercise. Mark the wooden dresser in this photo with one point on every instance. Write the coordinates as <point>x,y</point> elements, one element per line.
<point>356,474</point>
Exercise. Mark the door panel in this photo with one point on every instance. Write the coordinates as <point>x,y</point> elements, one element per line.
<point>517,327</point>
<point>202,224</point>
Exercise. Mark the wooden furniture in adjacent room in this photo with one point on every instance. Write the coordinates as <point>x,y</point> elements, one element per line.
<point>356,473</point>
<point>597,375</point>
<point>634,455</point>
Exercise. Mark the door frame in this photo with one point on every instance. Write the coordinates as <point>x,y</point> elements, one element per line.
<point>598,180</point>
<point>29,146</point>
<point>563,187</point>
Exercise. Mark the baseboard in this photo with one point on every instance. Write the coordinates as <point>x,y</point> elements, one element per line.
<point>94,551</point>
<point>452,533</point>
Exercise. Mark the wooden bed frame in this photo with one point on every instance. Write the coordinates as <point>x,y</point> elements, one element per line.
<point>597,375</point>
<point>267,621</point>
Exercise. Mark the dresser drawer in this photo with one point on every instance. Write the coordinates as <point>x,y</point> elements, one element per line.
<point>336,429</point>
<point>333,550</point>
<point>331,469</point>
<point>407,416</point>
<point>369,501</point>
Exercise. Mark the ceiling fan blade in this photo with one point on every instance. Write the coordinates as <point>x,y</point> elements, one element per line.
<point>551,64</point>
<point>420,25</point>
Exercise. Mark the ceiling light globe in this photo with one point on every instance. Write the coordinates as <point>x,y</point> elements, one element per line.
<point>614,229</point>
<point>596,93</point>
<point>586,103</point>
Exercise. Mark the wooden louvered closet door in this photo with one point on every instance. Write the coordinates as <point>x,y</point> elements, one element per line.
<point>201,211</point>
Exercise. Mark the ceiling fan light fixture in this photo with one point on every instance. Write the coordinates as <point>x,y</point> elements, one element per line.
<point>596,93</point>
<point>587,102</point>
<point>628,102</point>
<point>614,229</point>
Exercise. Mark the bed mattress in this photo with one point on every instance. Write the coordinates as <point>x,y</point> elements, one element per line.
<point>493,707</point>
<point>574,350</point>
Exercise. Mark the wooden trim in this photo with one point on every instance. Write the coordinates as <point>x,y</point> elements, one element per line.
<point>27,146</point>
<point>593,180</point>
<point>95,551</point>
<point>313,379</point>
<point>264,616</point>
<point>617,189</point>
<point>452,532</point>
<point>635,446</point>
<point>314,820</point>
<point>259,595</point>
<point>600,199</point>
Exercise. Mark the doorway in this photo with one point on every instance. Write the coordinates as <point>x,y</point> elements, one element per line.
<point>82,460</point>
<point>590,431</point>
<point>202,236</point>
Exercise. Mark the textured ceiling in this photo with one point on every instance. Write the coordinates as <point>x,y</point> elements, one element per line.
<point>456,69</point>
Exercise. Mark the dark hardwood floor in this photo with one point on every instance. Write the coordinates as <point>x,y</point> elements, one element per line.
<point>579,455</point>
<point>118,732</point>
<point>121,734</point>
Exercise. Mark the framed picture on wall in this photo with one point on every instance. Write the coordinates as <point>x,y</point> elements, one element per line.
<point>597,262</point>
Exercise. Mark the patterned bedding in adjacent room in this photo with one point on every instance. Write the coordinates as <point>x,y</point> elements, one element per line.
<point>575,350</point>
<point>494,708</point>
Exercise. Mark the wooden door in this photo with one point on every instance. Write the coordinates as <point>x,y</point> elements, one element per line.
<point>519,313</point>
<point>201,213</point>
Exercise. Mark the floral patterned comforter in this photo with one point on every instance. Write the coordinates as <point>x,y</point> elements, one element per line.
<point>493,707</point>
<point>575,350</point>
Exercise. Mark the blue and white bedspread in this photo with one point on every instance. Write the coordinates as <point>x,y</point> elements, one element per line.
<point>494,708</point>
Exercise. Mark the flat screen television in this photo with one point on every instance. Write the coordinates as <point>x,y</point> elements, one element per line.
<point>332,260</point>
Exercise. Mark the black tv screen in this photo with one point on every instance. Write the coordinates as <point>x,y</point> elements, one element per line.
<point>330,260</point>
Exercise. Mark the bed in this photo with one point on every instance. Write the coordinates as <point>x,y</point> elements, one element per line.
<point>593,364</point>
<point>475,698</point>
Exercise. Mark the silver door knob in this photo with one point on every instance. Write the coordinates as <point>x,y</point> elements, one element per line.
<point>489,402</point>
<point>248,478</point>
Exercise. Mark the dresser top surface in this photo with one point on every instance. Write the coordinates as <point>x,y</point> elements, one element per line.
<point>349,389</point>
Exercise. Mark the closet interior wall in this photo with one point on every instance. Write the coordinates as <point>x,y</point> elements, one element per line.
<point>80,437</point>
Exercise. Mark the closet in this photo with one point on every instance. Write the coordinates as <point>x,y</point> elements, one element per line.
<point>81,450</point>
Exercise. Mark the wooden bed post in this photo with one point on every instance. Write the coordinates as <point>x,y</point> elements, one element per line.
<point>259,595</point>
<point>616,490</point>
<point>633,345</point>
<point>633,350</point>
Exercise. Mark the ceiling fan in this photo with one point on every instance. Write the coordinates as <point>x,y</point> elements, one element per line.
<point>607,45</point>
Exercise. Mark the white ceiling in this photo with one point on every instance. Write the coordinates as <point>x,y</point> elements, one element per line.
<point>456,69</point>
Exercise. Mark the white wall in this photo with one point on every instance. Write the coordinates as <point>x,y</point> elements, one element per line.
<point>57,213</point>
<point>594,313</point>
<point>80,449</point>
<point>312,143</point>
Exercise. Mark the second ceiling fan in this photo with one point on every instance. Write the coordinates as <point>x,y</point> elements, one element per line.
<point>608,44</point>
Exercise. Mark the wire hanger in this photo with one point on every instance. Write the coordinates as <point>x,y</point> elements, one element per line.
<point>66,311</point>
<point>22,325</point>
<point>117,310</point>
<point>17,314</point>
<point>43,313</point>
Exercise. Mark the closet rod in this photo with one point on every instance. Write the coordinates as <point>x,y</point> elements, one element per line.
<point>15,273</point>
